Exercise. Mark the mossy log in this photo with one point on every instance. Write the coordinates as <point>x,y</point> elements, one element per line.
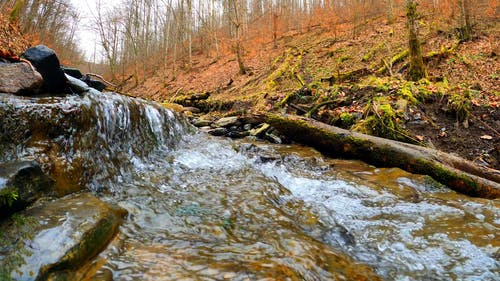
<point>394,60</point>
<point>351,76</point>
<point>452,171</point>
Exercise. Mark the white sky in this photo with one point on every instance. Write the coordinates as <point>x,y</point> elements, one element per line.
<point>88,39</point>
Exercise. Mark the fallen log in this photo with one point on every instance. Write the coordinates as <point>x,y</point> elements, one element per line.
<point>455,172</point>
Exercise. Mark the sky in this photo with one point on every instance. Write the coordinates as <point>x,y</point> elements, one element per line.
<point>88,39</point>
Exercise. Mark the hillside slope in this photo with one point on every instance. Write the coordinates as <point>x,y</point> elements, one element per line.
<point>359,83</point>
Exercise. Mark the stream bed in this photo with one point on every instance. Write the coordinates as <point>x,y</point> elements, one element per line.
<point>208,208</point>
<point>216,209</point>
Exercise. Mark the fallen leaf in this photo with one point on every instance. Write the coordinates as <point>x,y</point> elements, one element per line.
<point>486,137</point>
<point>419,137</point>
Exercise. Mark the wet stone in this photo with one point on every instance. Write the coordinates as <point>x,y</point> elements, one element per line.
<point>46,62</point>
<point>73,72</point>
<point>21,184</point>
<point>200,122</point>
<point>77,85</point>
<point>247,127</point>
<point>59,237</point>
<point>273,138</point>
<point>236,134</point>
<point>227,122</point>
<point>218,132</point>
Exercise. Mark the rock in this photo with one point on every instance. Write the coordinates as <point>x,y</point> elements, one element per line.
<point>73,72</point>
<point>247,127</point>
<point>201,122</point>
<point>19,79</point>
<point>260,130</point>
<point>192,109</point>
<point>236,134</point>
<point>205,129</point>
<point>21,184</point>
<point>218,132</point>
<point>272,138</point>
<point>46,62</point>
<point>96,84</point>
<point>77,85</point>
<point>58,238</point>
<point>227,122</point>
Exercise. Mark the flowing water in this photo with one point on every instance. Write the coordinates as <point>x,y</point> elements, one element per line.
<point>204,208</point>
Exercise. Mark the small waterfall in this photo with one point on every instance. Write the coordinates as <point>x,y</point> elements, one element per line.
<point>94,140</point>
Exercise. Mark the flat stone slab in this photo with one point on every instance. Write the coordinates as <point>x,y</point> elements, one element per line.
<point>53,240</point>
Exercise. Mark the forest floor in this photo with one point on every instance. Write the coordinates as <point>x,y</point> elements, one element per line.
<point>358,83</point>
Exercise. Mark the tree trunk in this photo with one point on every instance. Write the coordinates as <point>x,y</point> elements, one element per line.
<point>452,171</point>
<point>417,68</point>
<point>237,22</point>
<point>465,25</point>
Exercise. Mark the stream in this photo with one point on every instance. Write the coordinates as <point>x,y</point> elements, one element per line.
<point>207,208</point>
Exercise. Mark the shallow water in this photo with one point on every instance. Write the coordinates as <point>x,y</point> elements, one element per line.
<point>215,209</point>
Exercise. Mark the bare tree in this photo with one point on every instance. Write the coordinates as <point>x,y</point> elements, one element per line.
<point>236,7</point>
<point>417,68</point>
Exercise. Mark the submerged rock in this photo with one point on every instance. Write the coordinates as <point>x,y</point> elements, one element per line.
<point>21,184</point>
<point>19,79</point>
<point>58,239</point>
<point>46,62</point>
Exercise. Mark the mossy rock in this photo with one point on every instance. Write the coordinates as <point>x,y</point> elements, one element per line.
<point>21,184</point>
<point>72,230</point>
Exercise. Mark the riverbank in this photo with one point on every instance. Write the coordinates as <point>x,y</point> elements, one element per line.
<point>359,84</point>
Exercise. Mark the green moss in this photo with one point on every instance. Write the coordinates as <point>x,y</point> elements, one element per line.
<point>395,59</point>
<point>383,121</point>
<point>289,69</point>
<point>380,84</point>
<point>21,228</point>
<point>460,103</point>
<point>406,91</point>
<point>346,119</point>
<point>8,196</point>
<point>372,52</point>
<point>343,59</point>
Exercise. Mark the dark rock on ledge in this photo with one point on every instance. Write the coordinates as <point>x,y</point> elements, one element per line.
<point>46,62</point>
<point>73,72</point>
<point>96,84</point>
